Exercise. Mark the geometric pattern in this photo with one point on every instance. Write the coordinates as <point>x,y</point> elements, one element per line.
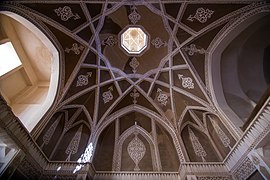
<point>109,77</point>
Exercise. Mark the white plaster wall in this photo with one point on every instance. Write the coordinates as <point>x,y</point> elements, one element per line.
<point>30,89</point>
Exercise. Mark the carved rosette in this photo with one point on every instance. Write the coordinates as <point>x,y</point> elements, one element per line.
<point>83,79</point>
<point>65,13</point>
<point>187,82</point>
<point>107,95</point>
<point>136,150</point>
<point>202,15</point>
<point>162,97</point>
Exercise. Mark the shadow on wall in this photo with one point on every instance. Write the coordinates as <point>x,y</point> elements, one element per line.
<point>266,64</point>
<point>244,67</point>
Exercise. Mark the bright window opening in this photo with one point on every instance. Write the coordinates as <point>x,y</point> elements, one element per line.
<point>9,59</point>
<point>134,40</point>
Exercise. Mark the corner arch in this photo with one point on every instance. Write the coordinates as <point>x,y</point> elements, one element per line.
<point>157,124</point>
<point>214,66</point>
<point>30,114</point>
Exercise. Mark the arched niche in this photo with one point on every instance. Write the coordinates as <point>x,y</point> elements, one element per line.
<point>113,141</point>
<point>205,128</point>
<point>220,135</point>
<point>198,145</point>
<point>30,89</point>
<point>129,141</point>
<point>66,135</point>
<point>237,75</point>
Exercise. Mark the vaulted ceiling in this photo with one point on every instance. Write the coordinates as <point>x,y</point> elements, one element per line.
<point>103,89</point>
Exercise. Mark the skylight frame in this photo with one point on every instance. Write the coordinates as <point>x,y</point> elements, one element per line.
<point>145,37</point>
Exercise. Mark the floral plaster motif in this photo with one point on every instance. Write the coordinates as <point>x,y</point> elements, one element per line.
<point>136,151</point>
<point>202,15</point>
<point>65,13</point>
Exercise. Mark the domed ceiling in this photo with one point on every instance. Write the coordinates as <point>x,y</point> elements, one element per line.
<point>150,110</point>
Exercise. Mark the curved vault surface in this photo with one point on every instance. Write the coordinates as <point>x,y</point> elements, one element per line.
<point>130,105</point>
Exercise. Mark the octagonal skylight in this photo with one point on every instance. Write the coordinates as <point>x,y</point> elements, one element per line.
<point>134,40</point>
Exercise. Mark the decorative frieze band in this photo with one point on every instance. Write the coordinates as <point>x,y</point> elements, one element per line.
<point>137,176</point>
<point>26,143</point>
<point>245,170</point>
<point>257,130</point>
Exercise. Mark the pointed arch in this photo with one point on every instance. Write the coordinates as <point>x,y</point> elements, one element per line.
<point>38,97</point>
<point>146,135</point>
<point>217,47</point>
<point>148,113</point>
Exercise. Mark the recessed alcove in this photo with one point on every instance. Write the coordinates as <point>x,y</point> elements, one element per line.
<point>239,68</point>
<point>31,87</point>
